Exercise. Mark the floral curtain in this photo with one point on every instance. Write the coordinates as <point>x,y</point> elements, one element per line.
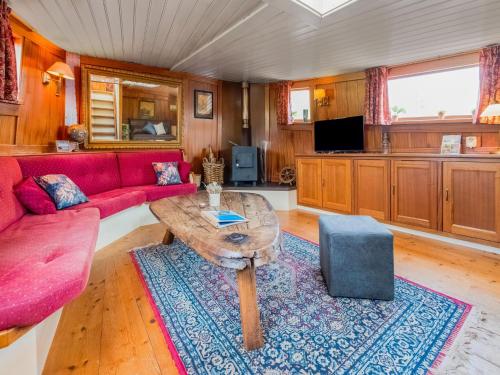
<point>489,83</point>
<point>283,110</point>
<point>377,97</point>
<point>8,71</point>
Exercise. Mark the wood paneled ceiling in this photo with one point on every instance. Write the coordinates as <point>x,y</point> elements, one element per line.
<point>267,40</point>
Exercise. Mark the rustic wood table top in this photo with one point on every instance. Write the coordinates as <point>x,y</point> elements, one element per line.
<point>261,240</point>
<point>242,247</point>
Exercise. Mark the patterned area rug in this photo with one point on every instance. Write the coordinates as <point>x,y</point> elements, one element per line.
<point>306,331</point>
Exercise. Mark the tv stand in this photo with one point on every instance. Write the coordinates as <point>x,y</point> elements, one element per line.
<point>429,191</point>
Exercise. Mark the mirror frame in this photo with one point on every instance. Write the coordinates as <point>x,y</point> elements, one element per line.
<point>87,70</point>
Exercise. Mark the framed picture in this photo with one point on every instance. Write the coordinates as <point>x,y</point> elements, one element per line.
<point>450,144</point>
<point>146,109</point>
<point>203,104</point>
<point>63,146</point>
<point>66,146</point>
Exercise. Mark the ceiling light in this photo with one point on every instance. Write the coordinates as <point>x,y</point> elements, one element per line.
<point>323,8</point>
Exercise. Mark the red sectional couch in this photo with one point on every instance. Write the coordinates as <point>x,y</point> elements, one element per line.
<point>45,259</point>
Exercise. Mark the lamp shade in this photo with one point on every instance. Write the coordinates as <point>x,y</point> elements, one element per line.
<point>61,69</point>
<point>319,94</point>
<point>491,110</point>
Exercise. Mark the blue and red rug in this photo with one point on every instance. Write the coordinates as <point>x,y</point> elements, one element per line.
<point>306,331</point>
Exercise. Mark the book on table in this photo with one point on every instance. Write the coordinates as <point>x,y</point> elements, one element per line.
<point>223,218</point>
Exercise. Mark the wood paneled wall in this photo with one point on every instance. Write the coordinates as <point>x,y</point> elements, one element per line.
<point>161,96</point>
<point>346,93</point>
<point>36,122</point>
<point>33,125</point>
<point>198,134</point>
<point>231,122</point>
<point>346,98</point>
<point>426,138</point>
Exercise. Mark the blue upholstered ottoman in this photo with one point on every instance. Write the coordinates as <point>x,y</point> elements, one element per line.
<point>356,257</point>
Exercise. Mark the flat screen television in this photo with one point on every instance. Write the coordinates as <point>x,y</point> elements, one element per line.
<point>339,135</point>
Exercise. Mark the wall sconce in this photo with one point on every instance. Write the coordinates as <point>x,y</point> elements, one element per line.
<point>60,70</point>
<point>320,98</point>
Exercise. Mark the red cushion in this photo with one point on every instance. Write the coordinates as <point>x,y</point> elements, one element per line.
<point>113,201</point>
<point>93,172</point>
<point>10,175</point>
<point>184,168</point>
<point>44,263</point>
<point>155,192</point>
<point>34,198</point>
<point>136,168</point>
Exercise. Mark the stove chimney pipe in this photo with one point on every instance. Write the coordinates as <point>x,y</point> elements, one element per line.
<point>246,135</point>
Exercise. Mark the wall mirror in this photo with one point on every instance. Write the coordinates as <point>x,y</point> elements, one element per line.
<point>124,109</point>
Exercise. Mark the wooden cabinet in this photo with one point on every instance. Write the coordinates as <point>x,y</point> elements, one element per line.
<point>371,188</point>
<point>471,199</point>
<point>309,190</point>
<point>439,193</point>
<point>414,197</point>
<point>337,184</point>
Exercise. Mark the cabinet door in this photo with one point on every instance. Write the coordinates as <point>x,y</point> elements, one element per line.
<point>337,184</point>
<point>414,193</point>
<point>471,199</point>
<point>309,182</point>
<point>372,188</point>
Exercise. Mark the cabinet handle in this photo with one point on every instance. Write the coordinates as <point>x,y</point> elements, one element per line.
<point>446,195</point>
<point>323,183</point>
<point>393,189</point>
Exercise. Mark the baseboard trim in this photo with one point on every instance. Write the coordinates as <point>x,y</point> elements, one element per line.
<point>437,237</point>
<point>122,223</point>
<point>281,200</point>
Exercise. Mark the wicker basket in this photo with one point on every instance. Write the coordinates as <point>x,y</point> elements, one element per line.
<point>213,171</point>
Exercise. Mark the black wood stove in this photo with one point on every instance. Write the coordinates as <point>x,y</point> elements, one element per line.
<point>244,165</point>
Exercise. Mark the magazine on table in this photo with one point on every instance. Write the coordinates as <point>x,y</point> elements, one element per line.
<point>223,218</point>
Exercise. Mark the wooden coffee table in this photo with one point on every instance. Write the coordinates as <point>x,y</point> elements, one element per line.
<point>242,247</point>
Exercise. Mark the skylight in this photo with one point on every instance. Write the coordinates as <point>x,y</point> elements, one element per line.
<point>323,7</point>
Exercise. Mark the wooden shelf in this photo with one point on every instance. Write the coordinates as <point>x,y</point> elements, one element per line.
<point>406,155</point>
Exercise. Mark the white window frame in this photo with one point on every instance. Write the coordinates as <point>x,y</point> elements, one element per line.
<point>301,121</point>
<point>466,60</point>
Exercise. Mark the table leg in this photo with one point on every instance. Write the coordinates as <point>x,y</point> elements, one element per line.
<point>249,310</point>
<point>168,238</point>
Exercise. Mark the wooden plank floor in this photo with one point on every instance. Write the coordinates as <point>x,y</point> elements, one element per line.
<point>111,328</point>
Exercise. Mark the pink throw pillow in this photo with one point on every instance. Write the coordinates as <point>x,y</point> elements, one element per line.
<point>34,198</point>
<point>184,169</point>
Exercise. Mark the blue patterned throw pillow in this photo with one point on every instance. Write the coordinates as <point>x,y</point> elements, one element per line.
<point>167,173</point>
<point>62,190</point>
<point>149,129</point>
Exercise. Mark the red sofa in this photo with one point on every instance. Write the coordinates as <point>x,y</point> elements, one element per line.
<point>45,259</point>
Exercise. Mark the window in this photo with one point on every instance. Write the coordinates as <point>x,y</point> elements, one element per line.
<point>18,46</point>
<point>436,95</point>
<point>300,105</point>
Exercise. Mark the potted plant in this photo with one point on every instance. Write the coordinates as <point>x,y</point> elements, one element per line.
<point>396,111</point>
<point>214,190</point>
<point>441,114</point>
